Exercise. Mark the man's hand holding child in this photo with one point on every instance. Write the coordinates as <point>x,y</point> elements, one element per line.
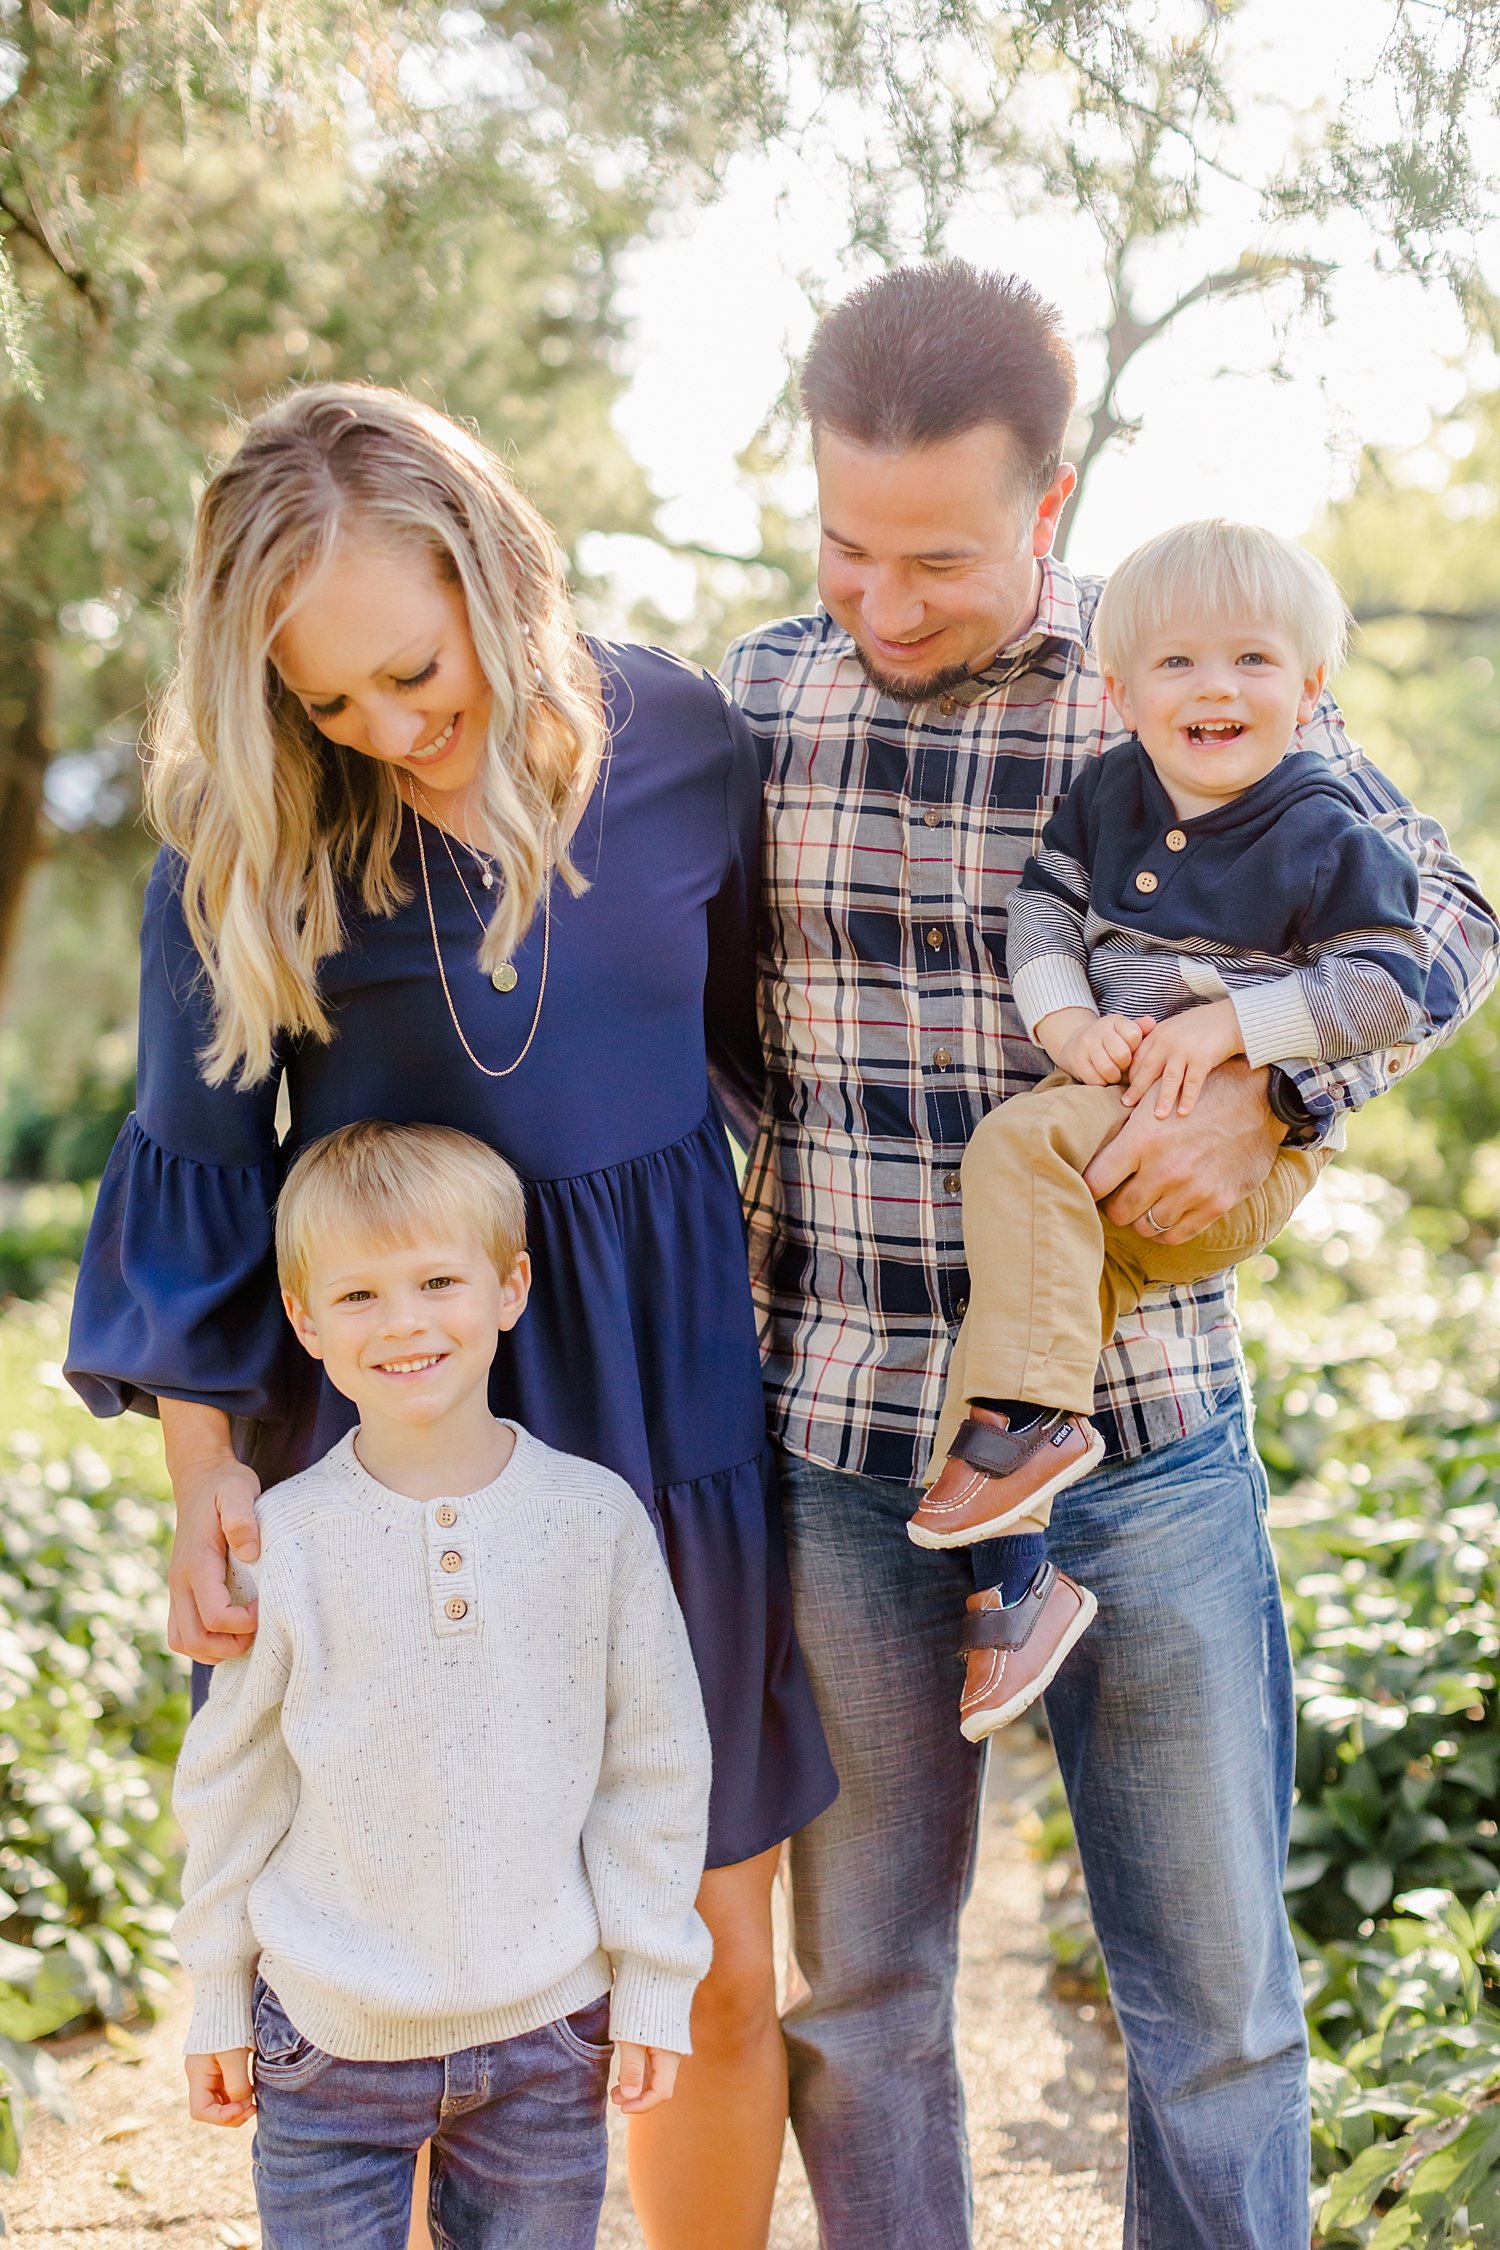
<point>646,2077</point>
<point>219,2088</point>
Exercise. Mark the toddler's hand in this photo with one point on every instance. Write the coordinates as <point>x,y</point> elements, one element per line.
<point>647,2076</point>
<point>1178,1055</point>
<point>219,2088</point>
<point>1099,1052</point>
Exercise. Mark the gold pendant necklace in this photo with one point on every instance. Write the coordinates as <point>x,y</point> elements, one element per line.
<point>506,969</point>
<point>505,978</point>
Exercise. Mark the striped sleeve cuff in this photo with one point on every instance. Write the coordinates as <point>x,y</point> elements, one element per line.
<point>1276,1023</point>
<point>1053,981</point>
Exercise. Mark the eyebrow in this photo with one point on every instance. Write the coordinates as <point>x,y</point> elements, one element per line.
<point>930,554</point>
<point>400,662</point>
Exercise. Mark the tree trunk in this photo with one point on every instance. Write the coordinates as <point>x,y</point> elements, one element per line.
<point>24,750</point>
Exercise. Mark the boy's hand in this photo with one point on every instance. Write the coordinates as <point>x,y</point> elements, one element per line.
<point>1099,1052</point>
<point>219,2088</point>
<point>1178,1055</point>
<point>647,2076</point>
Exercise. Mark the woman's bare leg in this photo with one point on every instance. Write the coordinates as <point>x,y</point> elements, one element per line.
<point>703,2167</point>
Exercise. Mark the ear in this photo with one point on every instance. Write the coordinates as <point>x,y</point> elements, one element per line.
<point>303,1323</point>
<point>514,1291</point>
<point>1050,507</point>
<point>1119,696</point>
<point>1312,688</point>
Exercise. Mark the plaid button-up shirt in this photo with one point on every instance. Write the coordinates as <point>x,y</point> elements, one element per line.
<point>895,835</point>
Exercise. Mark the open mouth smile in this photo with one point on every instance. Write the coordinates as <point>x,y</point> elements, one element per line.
<point>412,1366</point>
<point>430,751</point>
<point>1212,733</point>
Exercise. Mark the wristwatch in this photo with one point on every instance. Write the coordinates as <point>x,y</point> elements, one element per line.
<point>1285,1098</point>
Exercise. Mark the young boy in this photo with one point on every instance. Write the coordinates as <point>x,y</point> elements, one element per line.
<point>1203,891</point>
<point>446,1821</point>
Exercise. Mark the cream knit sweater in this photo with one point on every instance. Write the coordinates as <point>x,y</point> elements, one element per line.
<point>459,1786</point>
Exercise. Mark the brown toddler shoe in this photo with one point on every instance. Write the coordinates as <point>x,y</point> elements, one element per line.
<point>1011,1655</point>
<point>995,1477</point>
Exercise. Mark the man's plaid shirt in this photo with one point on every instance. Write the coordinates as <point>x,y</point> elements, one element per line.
<point>895,836</point>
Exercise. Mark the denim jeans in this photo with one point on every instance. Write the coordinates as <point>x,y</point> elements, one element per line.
<point>517,2131</point>
<point>1174,1729</point>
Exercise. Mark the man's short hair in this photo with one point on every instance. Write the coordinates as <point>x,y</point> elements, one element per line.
<point>1215,568</point>
<point>929,352</point>
<point>387,1184</point>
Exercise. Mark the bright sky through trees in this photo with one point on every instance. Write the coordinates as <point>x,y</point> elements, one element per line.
<point>719,309</point>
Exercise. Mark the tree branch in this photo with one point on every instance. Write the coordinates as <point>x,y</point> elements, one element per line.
<point>34,233</point>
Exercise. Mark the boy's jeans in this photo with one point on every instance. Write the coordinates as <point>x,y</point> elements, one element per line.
<point>1173,1724</point>
<point>517,2131</point>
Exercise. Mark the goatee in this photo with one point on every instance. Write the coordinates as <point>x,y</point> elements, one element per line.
<point>907,690</point>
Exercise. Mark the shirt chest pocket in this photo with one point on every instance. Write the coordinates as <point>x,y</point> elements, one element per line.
<point>990,851</point>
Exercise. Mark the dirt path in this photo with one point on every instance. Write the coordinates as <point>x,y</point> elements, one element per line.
<point>1045,2090</point>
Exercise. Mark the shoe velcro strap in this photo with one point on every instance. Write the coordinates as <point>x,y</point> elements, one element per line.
<point>998,1452</point>
<point>1011,1627</point>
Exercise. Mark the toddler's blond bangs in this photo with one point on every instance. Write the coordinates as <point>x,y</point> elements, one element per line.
<point>1216,568</point>
<point>390,1184</point>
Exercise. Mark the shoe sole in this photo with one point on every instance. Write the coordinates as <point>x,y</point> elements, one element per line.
<point>920,1536</point>
<point>980,1723</point>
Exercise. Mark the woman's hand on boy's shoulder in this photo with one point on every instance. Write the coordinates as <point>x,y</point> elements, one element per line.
<point>646,2077</point>
<point>219,2088</point>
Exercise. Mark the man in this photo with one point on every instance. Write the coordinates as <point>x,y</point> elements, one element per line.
<point>916,733</point>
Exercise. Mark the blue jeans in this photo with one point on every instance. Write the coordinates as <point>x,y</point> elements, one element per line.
<point>1173,1723</point>
<point>517,2131</point>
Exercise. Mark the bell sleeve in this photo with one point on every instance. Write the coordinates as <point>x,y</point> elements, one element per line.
<point>177,1294</point>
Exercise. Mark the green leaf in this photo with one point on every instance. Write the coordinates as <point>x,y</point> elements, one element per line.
<point>1353,2194</point>
<point>1369,1882</point>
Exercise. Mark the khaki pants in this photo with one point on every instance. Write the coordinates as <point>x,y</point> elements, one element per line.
<point>1049,1275</point>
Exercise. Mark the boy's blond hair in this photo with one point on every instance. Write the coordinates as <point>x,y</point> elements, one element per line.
<point>388,1183</point>
<point>1213,568</point>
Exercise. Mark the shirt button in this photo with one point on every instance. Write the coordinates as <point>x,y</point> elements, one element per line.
<point>952,1182</point>
<point>1145,881</point>
<point>1176,841</point>
<point>456,1609</point>
<point>445,1515</point>
<point>935,940</point>
<point>948,705</point>
<point>943,1059</point>
<point>452,1561</point>
<point>960,1307</point>
<point>932,818</point>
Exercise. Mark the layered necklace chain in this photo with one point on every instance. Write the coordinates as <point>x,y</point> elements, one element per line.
<point>504,979</point>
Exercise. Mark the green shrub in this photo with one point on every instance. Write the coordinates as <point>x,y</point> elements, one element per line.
<point>91,1708</point>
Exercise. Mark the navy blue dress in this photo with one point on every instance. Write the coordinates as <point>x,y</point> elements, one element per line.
<point>638,1348</point>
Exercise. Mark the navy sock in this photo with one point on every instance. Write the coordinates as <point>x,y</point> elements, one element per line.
<point>1019,1412</point>
<point>1011,1564</point>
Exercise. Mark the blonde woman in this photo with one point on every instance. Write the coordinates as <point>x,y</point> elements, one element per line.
<point>430,855</point>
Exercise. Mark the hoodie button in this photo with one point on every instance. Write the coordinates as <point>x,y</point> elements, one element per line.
<point>1145,881</point>
<point>1176,841</point>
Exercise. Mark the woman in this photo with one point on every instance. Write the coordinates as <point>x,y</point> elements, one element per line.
<point>429,855</point>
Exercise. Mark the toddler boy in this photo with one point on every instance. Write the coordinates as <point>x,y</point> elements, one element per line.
<point>1204,890</point>
<point>446,1821</point>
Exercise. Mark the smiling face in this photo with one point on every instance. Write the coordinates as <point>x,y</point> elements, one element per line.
<point>378,651</point>
<point>929,557</point>
<point>1216,703</point>
<point>407,1330</point>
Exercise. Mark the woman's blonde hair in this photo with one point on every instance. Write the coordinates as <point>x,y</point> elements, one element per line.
<point>388,1184</point>
<point>1215,568</point>
<point>270,818</point>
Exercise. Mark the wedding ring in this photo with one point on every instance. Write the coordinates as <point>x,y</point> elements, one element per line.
<point>1153,1222</point>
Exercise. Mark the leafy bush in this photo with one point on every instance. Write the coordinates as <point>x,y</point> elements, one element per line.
<point>91,1708</point>
<point>41,1235</point>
